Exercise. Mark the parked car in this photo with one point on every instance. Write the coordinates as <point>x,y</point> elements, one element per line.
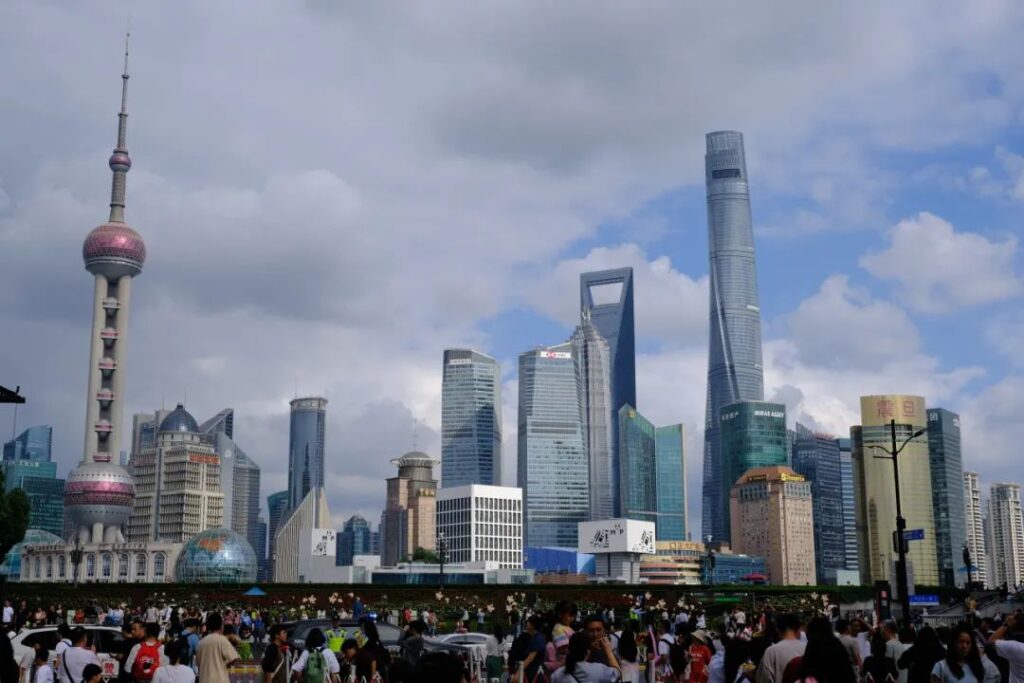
<point>297,631</point>
<point>108,642</point>
<point>482,644</point>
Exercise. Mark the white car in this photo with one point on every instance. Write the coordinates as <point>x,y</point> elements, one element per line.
<point>482,644</point>
<point>108,641</point>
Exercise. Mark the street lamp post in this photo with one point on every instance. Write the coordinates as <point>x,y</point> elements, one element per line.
<point>901,523</point>
<point>442,548</point>
<point>709,563</point>
<point>967,566</point>
<point>76,559</point>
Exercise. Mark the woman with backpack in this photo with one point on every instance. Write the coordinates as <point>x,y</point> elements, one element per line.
<point>146,657</point>
<point>316,664</point>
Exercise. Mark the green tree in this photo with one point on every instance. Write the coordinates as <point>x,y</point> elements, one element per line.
<point>14,509</point>
<point>424,555</point>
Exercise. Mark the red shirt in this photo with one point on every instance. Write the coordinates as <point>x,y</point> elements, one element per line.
<point>700,657</point>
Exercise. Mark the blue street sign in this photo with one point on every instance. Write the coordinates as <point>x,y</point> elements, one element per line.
<point>913,534</point>
<point>924,600</point>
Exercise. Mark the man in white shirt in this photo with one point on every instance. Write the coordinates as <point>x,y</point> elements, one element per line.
<point>8,614</point>
<point>44,674</point>
<point>666,640</point>
<point>72,661</point>
<point>1011,650</point>
<point>64,631</point>
<point>778,656</point>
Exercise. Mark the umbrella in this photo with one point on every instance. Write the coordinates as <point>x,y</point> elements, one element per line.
<point>255,592</point>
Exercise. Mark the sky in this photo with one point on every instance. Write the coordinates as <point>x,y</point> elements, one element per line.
<point>333,193</point>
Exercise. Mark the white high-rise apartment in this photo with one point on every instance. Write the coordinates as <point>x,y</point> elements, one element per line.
<point>481,524</point>
<point>975,526</point>
<point>1005,535</point>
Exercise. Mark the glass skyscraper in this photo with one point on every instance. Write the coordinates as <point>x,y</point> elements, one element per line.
<point>734,362</point>
<point>606,300</point>
<point>818,459</point>
<point>849,504</point>
<point>356,538</point>
<point>552,463</point>
<point>306,448</point>
<point>277,511</point>
<point>27,465</point>
<point>470,419</point>
<point>32,444</point>
<point>46,501</point>
<point>652,476</point>
<point>947,494</point>
<point>595,374</point>
<point>671,474</point>
<point>752,434</point>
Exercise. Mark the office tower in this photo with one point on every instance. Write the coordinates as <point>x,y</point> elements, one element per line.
<point>145,427</point>
<point>308,525</point>
<point>593,356</point>
<point>875,493</point>
<point>34,443</point>
<point>356,538</point>
<point>177,484</point>
<point>261,548</point>
<point>734,362</point>
<point>482,524</point>
<point>46,503</point>
<point>975,527</point>
<point>671,483</point>
<point>277,512</point>
<point>606,303</point>
<point>849,505</point>
<point>816,457</point>
<point>306,447</point>
<point>772,516</point>
<point>750,434</point>
<point>947,494</point>
<point>470,419</point>
<point>552,455</point>
<point>1005,536</point>
<point>239,477</point>
<point>408,520</point>
<point>98,494</point>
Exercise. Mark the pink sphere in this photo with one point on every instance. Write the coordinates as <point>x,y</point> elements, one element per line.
<point>114,249</point>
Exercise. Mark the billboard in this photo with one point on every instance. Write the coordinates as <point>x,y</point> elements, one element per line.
<point>324,543</point>
<point>617,536</point>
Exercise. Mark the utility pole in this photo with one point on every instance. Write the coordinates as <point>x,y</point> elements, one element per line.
<point>441,552</point>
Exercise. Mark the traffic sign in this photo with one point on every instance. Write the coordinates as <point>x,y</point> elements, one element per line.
<point>913,534</point>
<point>924,600</point>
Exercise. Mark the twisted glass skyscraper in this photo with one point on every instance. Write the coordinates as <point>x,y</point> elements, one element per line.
<point>734,360</point>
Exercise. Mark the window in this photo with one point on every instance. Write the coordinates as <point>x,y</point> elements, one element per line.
<point>140,566</point>
<point>725,173</point>
<point>36,571</point>
<point>61,567</point>
<point>122,567</point>
<point>90,566</point>
<point>49,567</point>
<point>106,564</point>
<point>158,566</point>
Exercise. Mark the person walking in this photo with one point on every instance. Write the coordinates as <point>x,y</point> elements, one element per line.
<point>215,654</point>
<point>275,657</point>
<point>1011,650</point>
<point>316,664</point>
<point>578,669</point>
<point>41,671</point>
<point>175,670</point>
<point>962,663</point>
<point>777,657</point>
<point>73,660</point>
<point>146,657</point>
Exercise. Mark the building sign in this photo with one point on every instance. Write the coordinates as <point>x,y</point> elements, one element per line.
<point>904,409</point>
<point>561,355</point>
<point>324,543</point>
<point>779,415</point>
<point>617,536</point>
<point>203,458</point>
<point>460,361</point>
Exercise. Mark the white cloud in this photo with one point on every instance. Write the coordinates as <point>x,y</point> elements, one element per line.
<point>940,269</point>
<point>1005,334</point>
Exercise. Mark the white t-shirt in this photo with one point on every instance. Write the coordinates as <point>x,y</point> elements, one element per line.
<point>8,614</point>
<point>61,646</point>
<point>664,650</point>
<point>1012,652</point>
<point>586,672</point>
<point>44,674</point>
<point>174,673</point>
<point>73,660</point>
<point>329,658</point>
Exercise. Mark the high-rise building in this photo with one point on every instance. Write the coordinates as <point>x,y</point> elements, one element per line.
<point>177,484</point>
<point>46,503</point>
<point>144,429</point>
<point>306,447</point>
<point>974,517</point>
<point>408,520</point>
<point>99,493</point>
<point>735,370</point>
<point>261,548</point>
<point>671,482</point>
<point>750,434</point>
<point>277,512</point>
<point>947,494</point>
<point>35,443</point>
<point>552,455</point>
<point>849,505</point>
<point>482,524</point>
<point>772,516</point>
<point>876,494</point>
<point>356,538</point>
<point>305,539</point>
<point>592,353</point>
<point>470,419</point>
<point>817,458</point>
<point>1005,536</point>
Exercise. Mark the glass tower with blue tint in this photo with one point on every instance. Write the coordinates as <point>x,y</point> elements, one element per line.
<point>356,538</point>
<point>849,504</point>
<point>753,434</point>
<point>606,302</point>
<point>32,444</point>
<point>591,351</point>
<point>734,361</point>
<point>552,456</point>
<point>817,458</point>
<point>671,476</point>
<point>947,494</point>
<point>470,419</point>
<point>277,512</point>
<point>638,467</point>
<point>306,448</point>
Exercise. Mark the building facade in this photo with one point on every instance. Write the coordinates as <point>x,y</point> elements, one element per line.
<point>773,517</point>
<point>552,454</point>
<point>35,444</point>
<point>816,457</point>
<point>638,467</point>
<point>306,542</point>
<point>849,505</point>
<point>356,538</point>
<point>670,470</point>
<point>875,492</point>
<point>239,480</point>
<point>594,360</point>
<point>306,447</point>
<point>277,512</point>
<point>409,517</point>
<point>750,434</point>
<point>735,371</point>
<point>948,504</point>
<point>481,524</point>
<point>1005,536</point>
<point>470,419</point>
<point>974,517</point>
<point>46,503</point>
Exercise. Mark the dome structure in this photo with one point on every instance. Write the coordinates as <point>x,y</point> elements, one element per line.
<point>179,420</point>
<point>416,465</point>
<point>216,556</point>
<point>99,493</point>
<point>113,250</point>
<point>11,566</point>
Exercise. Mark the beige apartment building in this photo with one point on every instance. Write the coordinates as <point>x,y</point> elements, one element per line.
<point>408,521</point>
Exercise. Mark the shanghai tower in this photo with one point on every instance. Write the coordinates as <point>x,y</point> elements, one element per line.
<point>734,359</point>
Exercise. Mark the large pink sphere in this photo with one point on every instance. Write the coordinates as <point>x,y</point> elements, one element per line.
<point>114,249</point>
<point>99,492</point>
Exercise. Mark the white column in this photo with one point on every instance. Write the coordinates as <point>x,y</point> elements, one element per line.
<point>120,356</point>
<point>92,409</point>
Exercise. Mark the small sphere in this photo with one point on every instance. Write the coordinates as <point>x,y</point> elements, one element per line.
<point>120,161</point>
<point>113,250</point>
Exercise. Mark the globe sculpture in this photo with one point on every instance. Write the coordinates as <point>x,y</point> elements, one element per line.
<point>216,556</point>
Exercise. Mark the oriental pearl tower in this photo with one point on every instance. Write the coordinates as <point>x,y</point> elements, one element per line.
<point>98,494</point>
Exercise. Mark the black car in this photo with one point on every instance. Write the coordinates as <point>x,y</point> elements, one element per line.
<point>389,635</point>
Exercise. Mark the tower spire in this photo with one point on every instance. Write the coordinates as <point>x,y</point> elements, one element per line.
<point>120,162</point>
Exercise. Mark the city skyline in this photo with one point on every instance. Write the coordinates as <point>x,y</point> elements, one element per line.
<point>851,185</point>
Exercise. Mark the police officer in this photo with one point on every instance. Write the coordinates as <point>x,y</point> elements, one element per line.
<point>336,635</point>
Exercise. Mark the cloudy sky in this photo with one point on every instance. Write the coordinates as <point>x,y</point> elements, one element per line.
<point>331,193</point>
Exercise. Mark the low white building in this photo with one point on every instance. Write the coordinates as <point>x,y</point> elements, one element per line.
<point>617,545</point>
<point>481,524</point>
<point>460,574</point>
<point>306,543</point>
<point>149,562</point>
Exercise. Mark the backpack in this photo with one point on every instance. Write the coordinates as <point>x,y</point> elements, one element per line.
<point>146,662</point>
<point>316,667</point>
<point>677,656</point>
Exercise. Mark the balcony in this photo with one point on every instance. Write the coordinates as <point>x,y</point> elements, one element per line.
<point>107,366</point>
<point>101,456</point>
<point>108,335</point>
<point>104,427</point>
<point>111,304</point>
<point>105,396</point>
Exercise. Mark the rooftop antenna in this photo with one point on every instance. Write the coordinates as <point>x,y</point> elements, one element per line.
<point>415,423</point>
